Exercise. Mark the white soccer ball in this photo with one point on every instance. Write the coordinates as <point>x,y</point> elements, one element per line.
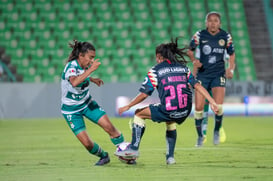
<point>126,160</point>
<point>123,146</point>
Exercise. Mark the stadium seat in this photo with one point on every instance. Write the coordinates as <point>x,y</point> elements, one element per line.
<point>178,6</point>
<point>239,32</point>
<point>36,33</point>
<point>219,6</point>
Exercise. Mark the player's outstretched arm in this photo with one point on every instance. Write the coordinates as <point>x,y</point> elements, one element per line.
<point>139,98</point>
<point>205,93</point>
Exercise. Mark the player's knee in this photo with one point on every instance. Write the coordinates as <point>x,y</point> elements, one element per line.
<point>198,114</point>
<point>221,110</point>
<point>139,121</point>
<point>171,126</point>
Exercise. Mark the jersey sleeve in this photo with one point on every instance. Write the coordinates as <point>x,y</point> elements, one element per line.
<point>230,46</point>
<point>150,83</point>
<point>195,40</point>
<point>191,78</point>
<point>71,71</point>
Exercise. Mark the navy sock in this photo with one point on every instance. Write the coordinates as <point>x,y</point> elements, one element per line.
<point>171,140</point>
<point>198,125</point>
<point>218,122</point>
<point>137,133</point>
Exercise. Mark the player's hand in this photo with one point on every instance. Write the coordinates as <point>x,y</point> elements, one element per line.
<point>214,107</point>
<point>95,64</point>
<point>123,109</point>
<point>197,63</point>
<point>229,73</point>
<point>97,81</point>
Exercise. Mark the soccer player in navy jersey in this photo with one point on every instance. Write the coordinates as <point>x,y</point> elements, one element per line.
<point>173,81</point>
<point>213,42</point>
<point>204,124</point>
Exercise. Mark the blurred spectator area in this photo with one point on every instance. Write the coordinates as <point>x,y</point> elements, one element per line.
<point>36,33</point>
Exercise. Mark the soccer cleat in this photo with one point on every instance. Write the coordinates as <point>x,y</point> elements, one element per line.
<point>204,129</point>
<point>170,161</point>
<point>199,142</point>
<point>204,138</point>
<point>128,153</point>
<point>103,160</point>
<point>223,136</point>
<point>216,138</point>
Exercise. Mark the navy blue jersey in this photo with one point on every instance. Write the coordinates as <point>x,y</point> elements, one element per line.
<point>172,83</point>
<point>212,51</point>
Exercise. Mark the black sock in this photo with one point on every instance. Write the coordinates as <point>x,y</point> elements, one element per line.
<point>171,140</point>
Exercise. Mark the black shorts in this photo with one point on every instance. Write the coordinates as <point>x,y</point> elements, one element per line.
<point>158,115</point>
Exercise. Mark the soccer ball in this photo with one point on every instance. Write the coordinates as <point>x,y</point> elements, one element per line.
<point>127,160</point>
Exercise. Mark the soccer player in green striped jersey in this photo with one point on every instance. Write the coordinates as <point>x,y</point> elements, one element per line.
<point>78,103</point>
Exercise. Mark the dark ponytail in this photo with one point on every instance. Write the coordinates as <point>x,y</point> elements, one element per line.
<point>79,47</point>
<point>171,51</point>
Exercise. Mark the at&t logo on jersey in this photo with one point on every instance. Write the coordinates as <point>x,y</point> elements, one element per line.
<point>218,50</point>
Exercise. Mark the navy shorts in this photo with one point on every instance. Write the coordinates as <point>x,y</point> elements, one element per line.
<point>208,83</point>
<point>158,115</point>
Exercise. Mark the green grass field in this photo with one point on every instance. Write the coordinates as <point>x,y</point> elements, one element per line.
<point>46,150</point>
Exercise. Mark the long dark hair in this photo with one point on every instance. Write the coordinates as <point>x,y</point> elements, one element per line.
<point>171,51</point>
<point>79,47</point>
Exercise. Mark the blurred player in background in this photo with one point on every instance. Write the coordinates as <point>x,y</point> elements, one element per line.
<point>171,77</point>
<point>77,101</point>
<point>1,71</point>
<point>206,106</point>
<point>211,71</point>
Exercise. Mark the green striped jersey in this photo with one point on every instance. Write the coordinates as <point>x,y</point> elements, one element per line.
<point>77,98</point>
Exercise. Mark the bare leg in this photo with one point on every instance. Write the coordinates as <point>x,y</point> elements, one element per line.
<point>85,140</point>
<point>198,114</point>
<point>108,127</point>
